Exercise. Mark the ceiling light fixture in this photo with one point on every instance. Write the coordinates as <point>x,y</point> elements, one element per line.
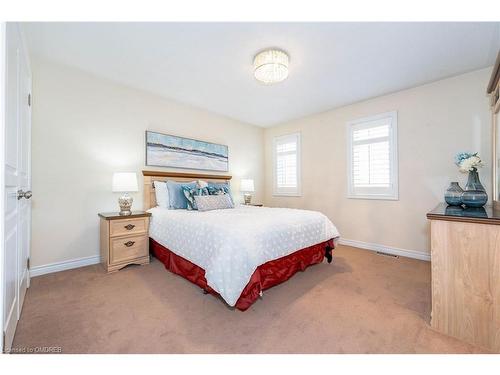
<point>271,66</point>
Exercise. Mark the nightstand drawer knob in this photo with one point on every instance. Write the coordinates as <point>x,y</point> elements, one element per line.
<point>129,243</point>
<point>129,226</point>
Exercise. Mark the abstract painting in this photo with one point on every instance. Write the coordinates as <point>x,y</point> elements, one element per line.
<point>163,150</point>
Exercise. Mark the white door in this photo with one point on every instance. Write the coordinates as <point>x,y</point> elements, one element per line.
<point>17,206</point>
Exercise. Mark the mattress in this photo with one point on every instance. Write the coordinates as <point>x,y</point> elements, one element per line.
<point>230,244</point>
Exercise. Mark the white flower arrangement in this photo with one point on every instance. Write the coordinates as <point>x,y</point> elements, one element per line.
<point>468,162</point>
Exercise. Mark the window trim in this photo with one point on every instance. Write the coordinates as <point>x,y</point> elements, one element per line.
<point>298,190</point>
<point>393,146</point>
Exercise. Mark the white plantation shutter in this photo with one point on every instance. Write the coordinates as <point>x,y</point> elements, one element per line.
<point>286,155</point>
<point>373,157</point>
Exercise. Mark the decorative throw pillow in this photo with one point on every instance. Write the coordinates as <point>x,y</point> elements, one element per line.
<point>190,193</point>
<point>213,202</point>
<point>219,188</point>
<point>216,189</point>
<point>175,194</point>
<point>161,193</point>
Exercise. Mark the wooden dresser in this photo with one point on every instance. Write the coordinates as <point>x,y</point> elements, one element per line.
<point>465,256</point>
<point>124,240</point>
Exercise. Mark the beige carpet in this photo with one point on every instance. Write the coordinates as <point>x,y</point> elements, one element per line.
<point>362,303</point>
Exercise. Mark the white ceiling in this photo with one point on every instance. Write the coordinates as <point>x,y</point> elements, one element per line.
<point>209,65</point>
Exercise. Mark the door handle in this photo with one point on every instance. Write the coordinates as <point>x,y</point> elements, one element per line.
<point>24,194</point>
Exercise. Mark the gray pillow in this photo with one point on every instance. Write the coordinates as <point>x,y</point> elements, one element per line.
<point>213,202</point>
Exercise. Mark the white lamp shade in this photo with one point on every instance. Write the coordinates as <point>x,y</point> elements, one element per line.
<point>124,182</point>
<point>247,185</point>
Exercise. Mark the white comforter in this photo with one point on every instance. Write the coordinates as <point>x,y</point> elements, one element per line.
<point>230,244</point>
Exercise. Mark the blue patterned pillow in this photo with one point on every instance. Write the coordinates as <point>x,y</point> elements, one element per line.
<point>190,192</point>
<point>219,188</point>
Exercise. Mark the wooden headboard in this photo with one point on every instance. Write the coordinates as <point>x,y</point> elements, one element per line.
<point>151,176</point>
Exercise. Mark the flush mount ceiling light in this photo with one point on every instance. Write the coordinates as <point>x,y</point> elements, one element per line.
<point>271,66</point>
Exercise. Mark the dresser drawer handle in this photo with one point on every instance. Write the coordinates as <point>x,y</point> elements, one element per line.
<point>129,243</point>
<point>129,226</point>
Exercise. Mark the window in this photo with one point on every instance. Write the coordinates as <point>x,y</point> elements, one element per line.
<point>286,165</point>
<point>373,158</point>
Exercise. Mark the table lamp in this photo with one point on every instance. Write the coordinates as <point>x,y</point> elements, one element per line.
<point>125,183</point>
<point>247,187</point>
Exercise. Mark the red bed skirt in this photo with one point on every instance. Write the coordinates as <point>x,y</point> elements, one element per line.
<point>265,276</point>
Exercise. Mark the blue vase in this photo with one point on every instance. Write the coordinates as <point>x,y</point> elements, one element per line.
<point>474,194</point>
<point>453,195</point>
<point>473,182</point>
<point>474,198</point>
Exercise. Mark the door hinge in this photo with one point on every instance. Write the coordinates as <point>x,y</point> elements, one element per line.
<point>29,100</point>
<point>28,263</point>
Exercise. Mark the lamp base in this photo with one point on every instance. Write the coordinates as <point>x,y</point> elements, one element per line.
<point>248,198</point>
<point>125,202</point>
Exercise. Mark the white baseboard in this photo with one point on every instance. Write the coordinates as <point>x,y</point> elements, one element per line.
<point>65,265</point>
<point>386,249</point>
<point>87,261</point>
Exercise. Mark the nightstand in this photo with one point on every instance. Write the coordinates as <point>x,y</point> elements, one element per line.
<point>124,239</point>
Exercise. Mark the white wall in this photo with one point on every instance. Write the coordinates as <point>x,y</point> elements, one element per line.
<point>435,121</point>
<point>84,129</point>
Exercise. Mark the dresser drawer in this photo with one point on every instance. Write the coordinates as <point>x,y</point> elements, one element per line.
<point>124,249</point>
<point>129,226</point>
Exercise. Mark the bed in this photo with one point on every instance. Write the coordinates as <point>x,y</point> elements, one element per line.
<point>235,253</point>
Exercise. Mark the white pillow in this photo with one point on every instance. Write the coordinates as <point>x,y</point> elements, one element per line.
<point>161,191</point>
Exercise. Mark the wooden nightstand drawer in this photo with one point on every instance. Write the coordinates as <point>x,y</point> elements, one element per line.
<point>128,226</point>
<point>123,249</point>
